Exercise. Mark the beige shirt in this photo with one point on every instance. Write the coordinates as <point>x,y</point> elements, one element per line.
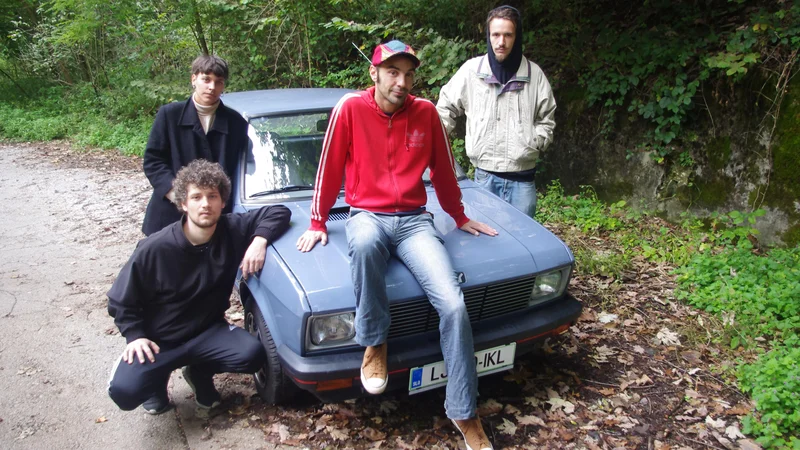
<point>206,114</point>
<point>506,132</point>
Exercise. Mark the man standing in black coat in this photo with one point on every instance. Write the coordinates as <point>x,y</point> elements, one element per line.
<point>169,300</point>
<point>200,127</point>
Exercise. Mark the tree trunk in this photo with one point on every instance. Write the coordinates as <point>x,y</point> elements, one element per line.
<point>198,29</point>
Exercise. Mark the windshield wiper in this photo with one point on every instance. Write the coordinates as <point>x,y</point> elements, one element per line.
<point>289,188</point>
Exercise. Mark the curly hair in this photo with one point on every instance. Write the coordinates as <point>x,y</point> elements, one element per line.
<point>202,174</point>
<point>210,64</point>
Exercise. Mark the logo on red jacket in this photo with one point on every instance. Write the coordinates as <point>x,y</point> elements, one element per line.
<point>415,139</point>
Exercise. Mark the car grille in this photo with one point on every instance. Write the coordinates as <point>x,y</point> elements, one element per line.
<point>418,315</point>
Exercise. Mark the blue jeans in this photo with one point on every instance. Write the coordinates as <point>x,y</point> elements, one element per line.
<point>520,194</point>
<point>373,239</point>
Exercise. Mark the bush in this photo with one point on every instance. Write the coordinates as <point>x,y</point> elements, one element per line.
<point>758,295</point>
<point>774,383</point>
<point>60,114</point>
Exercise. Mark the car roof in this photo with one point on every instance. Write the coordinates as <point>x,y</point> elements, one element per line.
<point>284,101</point>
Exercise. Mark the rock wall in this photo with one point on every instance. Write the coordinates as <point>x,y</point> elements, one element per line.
<point>733,156</point>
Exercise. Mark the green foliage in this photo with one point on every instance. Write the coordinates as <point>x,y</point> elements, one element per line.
<point>583,211</point>
<point>758,296</point>
<point>616,234</point>
<point>774,383</point>
<point>763,293</point>
<point>651,59</point>
<point>460,153</point>
<point>47,120</point>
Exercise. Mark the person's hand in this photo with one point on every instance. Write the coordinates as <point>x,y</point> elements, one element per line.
<point>310,238</point>
<point>474,227</point>
<point>171,195</point>
<point>254,257</point>
<point>140,348</point>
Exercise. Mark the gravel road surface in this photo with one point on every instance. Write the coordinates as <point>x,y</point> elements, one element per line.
<point>70,222</point>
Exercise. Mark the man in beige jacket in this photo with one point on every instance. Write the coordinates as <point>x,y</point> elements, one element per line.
<point>510,112</point>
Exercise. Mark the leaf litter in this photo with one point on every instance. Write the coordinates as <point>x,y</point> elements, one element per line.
<point>629,374</point>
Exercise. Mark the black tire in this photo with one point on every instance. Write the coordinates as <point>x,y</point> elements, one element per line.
<point>271,383</point>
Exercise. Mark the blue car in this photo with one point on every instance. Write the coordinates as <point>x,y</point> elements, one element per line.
<point>302,305</point>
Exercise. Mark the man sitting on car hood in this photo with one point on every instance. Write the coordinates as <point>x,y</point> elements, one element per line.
<point>383,139</point>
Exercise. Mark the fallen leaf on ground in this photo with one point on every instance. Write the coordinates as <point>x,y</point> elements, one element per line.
<point>733,432</point>
<point>387,407</point>
<point>748,444</point>
<point>557,403</point>
<point>531,420</point>
<point>507,427</point>
<point>103,419</point>
<point>692,357</point>
<point>373,434</point>
<point>605,317</point>
<point>602,353</point>
<point>489,407</point>
<point>719,423</point>
<point>667,337</point>
<point>336,433</point>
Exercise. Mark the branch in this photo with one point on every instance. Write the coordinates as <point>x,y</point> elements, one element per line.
<point>15,83</point>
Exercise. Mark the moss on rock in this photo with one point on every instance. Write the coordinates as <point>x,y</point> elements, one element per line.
<point>718,153</point>
<point>784,186</point>
<point>791,237</point>
<point>612,192</point>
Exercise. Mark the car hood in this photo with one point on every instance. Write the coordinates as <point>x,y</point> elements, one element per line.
<point>521,248</point>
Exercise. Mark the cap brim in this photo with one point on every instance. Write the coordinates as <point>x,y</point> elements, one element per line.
<point>407,55</point>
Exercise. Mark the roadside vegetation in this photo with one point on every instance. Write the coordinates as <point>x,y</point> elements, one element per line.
<point>752,294</point>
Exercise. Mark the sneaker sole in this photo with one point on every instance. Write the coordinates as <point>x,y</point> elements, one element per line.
<point>158,412</point>
<point>374,389</point>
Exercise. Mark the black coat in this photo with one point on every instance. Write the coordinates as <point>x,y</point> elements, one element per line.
<point>177,138</point>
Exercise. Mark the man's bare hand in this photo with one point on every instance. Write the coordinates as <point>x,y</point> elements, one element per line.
<point>140,348</point>
<point>170,195</point>
<point>310,238</point>
<point>474,227</point>
<point>254,257</point>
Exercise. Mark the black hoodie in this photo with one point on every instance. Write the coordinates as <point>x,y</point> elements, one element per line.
<point>170,290</point>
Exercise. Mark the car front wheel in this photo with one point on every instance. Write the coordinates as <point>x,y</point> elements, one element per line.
<point>272,384</point>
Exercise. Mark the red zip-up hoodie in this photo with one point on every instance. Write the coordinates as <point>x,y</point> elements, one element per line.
<point>383,158</point>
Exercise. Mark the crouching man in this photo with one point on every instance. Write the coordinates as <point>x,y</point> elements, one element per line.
<point>170,298</point>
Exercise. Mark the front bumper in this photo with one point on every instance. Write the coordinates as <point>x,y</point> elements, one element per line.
<point>334,376</point>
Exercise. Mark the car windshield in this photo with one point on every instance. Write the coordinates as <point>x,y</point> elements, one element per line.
<point>284,154</point>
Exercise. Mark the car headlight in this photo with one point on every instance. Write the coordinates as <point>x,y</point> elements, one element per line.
<point>549,286</point>
<point>332,330</point>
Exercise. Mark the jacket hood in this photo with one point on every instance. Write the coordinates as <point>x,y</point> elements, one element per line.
<point>503,71</point>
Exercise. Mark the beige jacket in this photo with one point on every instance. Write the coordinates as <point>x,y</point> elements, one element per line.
<point>506,132</point>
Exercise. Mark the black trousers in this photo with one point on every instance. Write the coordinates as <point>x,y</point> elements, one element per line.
<point>220,348</point>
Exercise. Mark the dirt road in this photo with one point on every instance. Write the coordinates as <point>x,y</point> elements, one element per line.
<point>70,223</point>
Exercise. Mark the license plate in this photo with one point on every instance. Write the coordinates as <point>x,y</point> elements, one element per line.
<point>488,361</point>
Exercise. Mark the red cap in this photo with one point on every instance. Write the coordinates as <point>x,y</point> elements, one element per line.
<point>393,48</point>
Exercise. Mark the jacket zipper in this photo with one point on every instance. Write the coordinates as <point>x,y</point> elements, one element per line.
<point>390,159</point>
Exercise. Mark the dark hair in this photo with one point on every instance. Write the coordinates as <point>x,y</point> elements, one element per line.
<point>203,174</point>
<point>505,12</point>
<point>210,64</point>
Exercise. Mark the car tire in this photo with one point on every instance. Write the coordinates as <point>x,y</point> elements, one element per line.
<point>272,384</point>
